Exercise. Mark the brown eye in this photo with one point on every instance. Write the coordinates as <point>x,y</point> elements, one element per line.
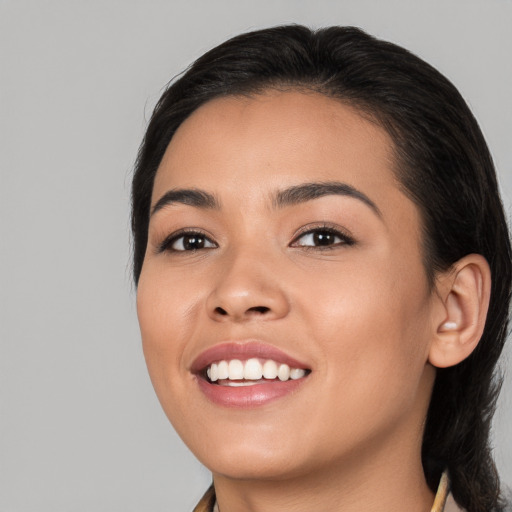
<point>322,238</point>
<point>191,241</point>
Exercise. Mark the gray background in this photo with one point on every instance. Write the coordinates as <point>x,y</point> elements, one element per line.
<point>80,427</point>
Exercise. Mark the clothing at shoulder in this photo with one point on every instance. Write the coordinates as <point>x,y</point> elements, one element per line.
<point>208,501</point>
<point>451,505</point>
<point>443,502</point>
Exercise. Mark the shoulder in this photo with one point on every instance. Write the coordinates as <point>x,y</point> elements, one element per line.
<point>451,505</point>
<point>207,501</point>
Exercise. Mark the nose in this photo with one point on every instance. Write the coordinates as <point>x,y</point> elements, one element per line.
<point>247,289</point>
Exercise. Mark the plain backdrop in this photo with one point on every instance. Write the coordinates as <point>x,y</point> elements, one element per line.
<point>80,426</point>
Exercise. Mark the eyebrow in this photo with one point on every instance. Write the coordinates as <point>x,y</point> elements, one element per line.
<point>308,191</point>
<point>291,196</point>
<point>191,197</point>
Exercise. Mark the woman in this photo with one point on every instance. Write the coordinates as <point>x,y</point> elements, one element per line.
<point>324,273</point>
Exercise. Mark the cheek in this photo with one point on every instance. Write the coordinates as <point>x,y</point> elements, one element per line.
<point>163,307</point>
<point>165,301</point>
<point>374,353</point>
<point>372,325</point>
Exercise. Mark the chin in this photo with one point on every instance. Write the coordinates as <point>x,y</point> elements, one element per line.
<point>248,455</point>
<point>254,465</point>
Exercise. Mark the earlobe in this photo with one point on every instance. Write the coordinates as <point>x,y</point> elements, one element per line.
<point>464,293</point>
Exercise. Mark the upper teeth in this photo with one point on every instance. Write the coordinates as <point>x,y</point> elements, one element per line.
<point>252,369</point>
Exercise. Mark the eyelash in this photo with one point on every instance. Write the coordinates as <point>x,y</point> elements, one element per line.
<point>166,245</point>
<point>346,240</point>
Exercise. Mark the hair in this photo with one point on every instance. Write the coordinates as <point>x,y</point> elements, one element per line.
<point>442,163</point>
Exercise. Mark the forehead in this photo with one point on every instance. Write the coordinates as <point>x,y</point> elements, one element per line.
<point>244,145</point>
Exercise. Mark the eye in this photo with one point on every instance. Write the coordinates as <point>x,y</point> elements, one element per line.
<point>187,241</point>
<point>322,237</point>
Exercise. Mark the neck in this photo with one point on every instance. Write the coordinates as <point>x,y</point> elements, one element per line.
<point>398,489</point>
<point>378,478</point>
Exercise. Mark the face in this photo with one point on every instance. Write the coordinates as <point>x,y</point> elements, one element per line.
<point>280,243</point>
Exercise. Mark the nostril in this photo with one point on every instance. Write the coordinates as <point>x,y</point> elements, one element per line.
<point>255,310</point>
<point>259,309</point>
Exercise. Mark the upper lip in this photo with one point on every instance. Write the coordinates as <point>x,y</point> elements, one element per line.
<point>243,350</point>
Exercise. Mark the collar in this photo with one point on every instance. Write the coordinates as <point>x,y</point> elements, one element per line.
<point>443,501</point>
<point>441,495</point>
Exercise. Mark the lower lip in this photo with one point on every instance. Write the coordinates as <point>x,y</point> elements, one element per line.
<point>248,396</point>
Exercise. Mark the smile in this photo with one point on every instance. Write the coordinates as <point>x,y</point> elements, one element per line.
<point>253,371</point>
<point>247,374</point>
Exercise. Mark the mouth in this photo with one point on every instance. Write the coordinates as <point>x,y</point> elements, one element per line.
<point>247,374</point>
<point>237,373</point>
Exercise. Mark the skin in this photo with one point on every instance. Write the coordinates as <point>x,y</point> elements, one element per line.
<point>361,315</point>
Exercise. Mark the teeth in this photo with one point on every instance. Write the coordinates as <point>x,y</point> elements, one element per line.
<point>270,370</point>
<point>297,373</point>
<point>241,383</point>
<point>284,372</point>
<point>214,372</point>
<point>236,369</point>
<point>223,370</point>
<point>251,372</point>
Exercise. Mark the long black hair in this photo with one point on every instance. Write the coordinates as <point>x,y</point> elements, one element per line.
<point>441,161</point>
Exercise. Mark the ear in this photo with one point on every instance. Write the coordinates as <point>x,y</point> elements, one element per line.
<point>464,293</point>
